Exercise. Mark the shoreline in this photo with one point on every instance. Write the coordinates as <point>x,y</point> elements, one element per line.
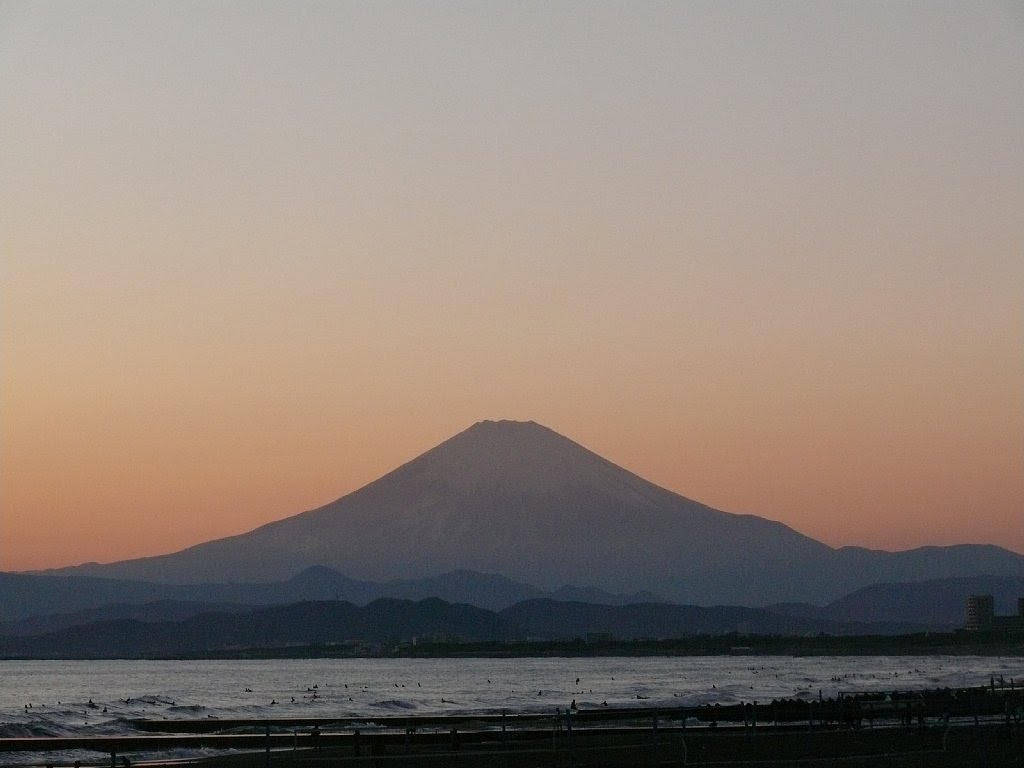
<point>597,739</point>
<point>959,643</point>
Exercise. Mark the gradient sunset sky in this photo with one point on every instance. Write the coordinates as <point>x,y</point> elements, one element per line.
<point>255,255</point>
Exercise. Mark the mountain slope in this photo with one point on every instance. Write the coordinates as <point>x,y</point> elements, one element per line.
<point>938,602</point>
<point>518,499</point>
<point>307,623</point>
<point>30,603</point>
<point>549,619</point>
<point>387,621</point>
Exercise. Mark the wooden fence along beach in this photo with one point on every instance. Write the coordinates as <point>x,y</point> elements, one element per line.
<point>961,727</point>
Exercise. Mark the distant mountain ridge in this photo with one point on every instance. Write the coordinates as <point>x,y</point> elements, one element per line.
<point>936,603</point>
<point>517,499</point>
<point>320,623</point>
<point>43,604</point>
<point>306,623</point>
<point>26,599</point>
<point>148,613</point>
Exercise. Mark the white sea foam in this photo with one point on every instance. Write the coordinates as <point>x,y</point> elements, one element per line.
<point>59,692</point>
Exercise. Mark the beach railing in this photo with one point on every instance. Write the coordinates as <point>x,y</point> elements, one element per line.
<point>848,725</point>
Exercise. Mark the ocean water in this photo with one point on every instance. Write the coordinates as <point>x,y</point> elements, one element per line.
<point>52,698</point>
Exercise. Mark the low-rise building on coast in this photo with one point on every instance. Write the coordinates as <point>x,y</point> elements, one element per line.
<point>981,616</point>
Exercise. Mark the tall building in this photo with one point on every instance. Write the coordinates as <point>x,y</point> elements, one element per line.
<point>981,615</point>
<point>981,612</point>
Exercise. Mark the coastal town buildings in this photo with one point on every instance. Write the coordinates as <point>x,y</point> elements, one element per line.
<point>981,616</point>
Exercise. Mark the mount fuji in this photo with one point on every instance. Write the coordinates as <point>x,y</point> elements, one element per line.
<point>520,500</point>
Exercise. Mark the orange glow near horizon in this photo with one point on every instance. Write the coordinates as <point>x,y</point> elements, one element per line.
<point>767,258</point>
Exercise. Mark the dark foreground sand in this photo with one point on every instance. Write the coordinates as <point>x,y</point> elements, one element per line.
<point>959,747</point>
<point>946,729</point>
